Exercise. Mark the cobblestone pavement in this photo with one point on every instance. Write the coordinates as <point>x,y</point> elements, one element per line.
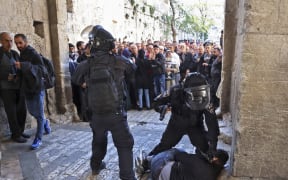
<point>65,153</point>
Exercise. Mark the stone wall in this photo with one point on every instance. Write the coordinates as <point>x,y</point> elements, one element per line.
<point>230,31</point>
<point>111,15</point>
<point>259,86</point>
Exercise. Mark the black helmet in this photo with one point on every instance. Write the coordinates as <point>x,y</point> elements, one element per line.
<point>197,91</point>
<point>101,39</point>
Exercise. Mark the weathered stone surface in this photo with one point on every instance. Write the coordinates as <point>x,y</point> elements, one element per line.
<point>260,85</point>
<point>266,17</point>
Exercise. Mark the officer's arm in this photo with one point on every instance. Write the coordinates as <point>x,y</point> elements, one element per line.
<point>162,99</point>
<point>213,128</point>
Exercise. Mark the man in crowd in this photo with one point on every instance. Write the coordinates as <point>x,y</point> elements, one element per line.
<point>216,76</point>
<point>31,65</point>
<point>158,67</point>
<point>12,97</point>
<point>76,90</point>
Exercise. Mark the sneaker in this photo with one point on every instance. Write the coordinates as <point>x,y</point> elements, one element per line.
<point>47,127</point>
<point>97,171</point>
<point>36,143</point>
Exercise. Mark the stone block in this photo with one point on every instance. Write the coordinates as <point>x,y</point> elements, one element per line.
<point>266,17</point>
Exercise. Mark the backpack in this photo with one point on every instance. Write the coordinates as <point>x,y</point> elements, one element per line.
<point>102,92</point>
<point>48,73</point>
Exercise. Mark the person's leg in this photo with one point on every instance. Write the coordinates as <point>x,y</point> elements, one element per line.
<point>9,99</point>
<point>197,137</point>
<point>35,106</point>
<point>214,86</point>
<point>147,98</point>
<point>21,111</point>
<point>140,98</point>
<point>133,94</point>
<point>162,83</point>
<point>171,136</point>
<point>177,78</point>
<point>99,147</point>
<point>155,84</point>
<point>76,95</point>
<point>124,142</point>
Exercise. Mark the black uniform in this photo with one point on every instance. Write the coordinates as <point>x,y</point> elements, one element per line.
<point>183,121</point>
<point>115,122</point>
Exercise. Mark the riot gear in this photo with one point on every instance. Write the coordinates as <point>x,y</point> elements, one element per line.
<point>197,92</point>
<point>189,104</point>
<point>101,39</point>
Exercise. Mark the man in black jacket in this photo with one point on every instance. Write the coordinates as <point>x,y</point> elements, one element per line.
<point>158,67</point>
<point>175,164</point>
<point>31,66</point>
<point>10,81</point>
<point>188,64</point>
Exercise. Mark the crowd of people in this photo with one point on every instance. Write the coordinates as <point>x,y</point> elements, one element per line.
<point>183,77</point>
<point>160,65</point>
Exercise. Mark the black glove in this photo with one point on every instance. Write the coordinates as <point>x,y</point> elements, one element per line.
<point>212,150</point>
<point>163,110</point>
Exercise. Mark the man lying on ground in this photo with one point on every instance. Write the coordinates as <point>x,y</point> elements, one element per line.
<point>175,164</point>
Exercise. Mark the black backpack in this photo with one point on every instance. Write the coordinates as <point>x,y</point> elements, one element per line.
<point>48,73</point>
<point>102,92</point>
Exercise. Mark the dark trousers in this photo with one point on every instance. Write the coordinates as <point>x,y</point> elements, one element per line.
<point>176,129</point>
<point>76,95</point>
<point>15,108</point>
<point>122,138</point>
<point>215,81</point>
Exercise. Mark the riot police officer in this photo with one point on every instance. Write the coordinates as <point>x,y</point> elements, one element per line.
<point>189,103</point>
<point>109,115</point>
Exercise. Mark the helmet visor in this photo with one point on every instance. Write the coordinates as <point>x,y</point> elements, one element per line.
<point>197,98</point>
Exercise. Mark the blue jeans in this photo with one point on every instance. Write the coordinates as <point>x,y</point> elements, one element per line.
<point>35,106</point>
<point>160,160</point>
<point>140,97</point>
<point>159,84</point>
